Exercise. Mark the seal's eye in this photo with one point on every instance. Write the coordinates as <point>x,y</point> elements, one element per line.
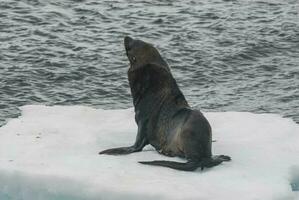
<point>133,59</point>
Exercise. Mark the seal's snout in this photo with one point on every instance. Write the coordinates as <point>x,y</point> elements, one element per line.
<point>128,41</point>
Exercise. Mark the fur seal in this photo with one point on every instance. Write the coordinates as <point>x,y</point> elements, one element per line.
<point>164,118</point>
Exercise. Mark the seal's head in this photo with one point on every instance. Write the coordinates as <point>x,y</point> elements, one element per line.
<point>141,54</point>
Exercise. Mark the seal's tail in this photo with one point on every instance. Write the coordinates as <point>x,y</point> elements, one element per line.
<point>190,165</point>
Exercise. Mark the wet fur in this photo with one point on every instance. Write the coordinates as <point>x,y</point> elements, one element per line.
<point>164,118</point>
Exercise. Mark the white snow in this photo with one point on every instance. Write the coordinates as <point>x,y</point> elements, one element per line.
<point>52,153</point>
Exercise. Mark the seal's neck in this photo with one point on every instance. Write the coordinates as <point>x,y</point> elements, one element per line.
<point>151,85</point>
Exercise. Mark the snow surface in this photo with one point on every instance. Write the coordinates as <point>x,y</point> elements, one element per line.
<point>52,153</point>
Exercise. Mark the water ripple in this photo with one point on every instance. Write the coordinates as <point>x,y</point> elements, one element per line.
<point>225,54</point>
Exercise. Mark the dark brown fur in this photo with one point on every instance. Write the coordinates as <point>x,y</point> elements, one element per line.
<point>164,118</point>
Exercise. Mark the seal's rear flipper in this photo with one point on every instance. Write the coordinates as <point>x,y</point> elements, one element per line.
<point>188,166</point>
<point>215,160</point>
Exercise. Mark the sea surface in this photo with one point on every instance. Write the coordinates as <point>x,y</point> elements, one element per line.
<point>226,55</point>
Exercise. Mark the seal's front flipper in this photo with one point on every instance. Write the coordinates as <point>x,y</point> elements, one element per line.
<point>119,151</point>
<point>140,142</point>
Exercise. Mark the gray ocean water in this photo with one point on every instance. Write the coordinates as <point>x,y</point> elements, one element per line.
<point>227,55</point>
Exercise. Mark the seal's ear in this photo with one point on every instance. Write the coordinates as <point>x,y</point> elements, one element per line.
<point>158,69</point>
<point>161,64</point>
<point>156,66</point>
<point>156,76</point>
<point>149,75</point>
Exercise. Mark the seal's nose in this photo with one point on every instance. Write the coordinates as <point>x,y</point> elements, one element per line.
<point>128,41</point>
